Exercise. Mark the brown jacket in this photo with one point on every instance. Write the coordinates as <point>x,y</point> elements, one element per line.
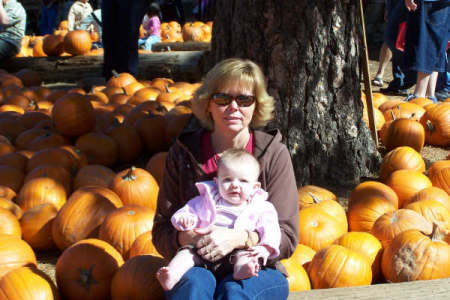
<point>183,170</point>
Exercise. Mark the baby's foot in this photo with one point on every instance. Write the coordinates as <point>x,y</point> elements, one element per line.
<point>167,278</point>
<point>246,270</point>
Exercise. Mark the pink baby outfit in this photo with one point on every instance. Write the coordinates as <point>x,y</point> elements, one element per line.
<point>259,215</point>
<point>153,26</point>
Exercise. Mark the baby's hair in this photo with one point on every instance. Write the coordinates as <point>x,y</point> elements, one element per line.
<point>154,9</point>
<point>239,155</point>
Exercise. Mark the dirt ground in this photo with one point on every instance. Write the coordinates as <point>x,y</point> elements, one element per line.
<point>47,260</point>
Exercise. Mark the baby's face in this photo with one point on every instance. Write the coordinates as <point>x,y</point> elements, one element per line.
<point>237,182</point>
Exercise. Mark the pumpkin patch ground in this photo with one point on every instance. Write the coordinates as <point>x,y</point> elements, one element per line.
<point>46,260</point>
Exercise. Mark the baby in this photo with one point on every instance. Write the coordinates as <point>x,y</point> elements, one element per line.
<point>233,200</point>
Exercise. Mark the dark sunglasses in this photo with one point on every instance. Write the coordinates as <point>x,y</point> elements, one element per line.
<point>223,99</point>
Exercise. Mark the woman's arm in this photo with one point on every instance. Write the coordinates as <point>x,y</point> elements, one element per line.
<point>4,20</point>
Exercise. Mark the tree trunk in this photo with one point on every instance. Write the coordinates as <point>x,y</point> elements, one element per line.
<point>309,51</point>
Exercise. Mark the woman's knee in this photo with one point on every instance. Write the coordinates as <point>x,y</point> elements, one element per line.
<point>197,283</point>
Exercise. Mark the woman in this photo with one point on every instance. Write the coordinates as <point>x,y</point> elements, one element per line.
<point>231,103</point>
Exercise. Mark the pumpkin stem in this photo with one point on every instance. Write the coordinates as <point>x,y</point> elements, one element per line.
<point>130,176</point>
<point>86,278</point>
<point>314,197</point>
<point>166,87</point>
<point>438,233</point>
<point>115,74</point>
<point>392,115</point>
<point>430,126</point>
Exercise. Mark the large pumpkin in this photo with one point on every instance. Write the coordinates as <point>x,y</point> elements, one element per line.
<point>128,141</point>
<point>77,42</point>
<point>11,206</point>
<point>310,194</point>
<point>136,186</point>
<point>392,223</point>
<point>82,215</point>
<point>99,148</point>
<point>367,202</point>
<point>338,266</point>
<point>144,245</point>
<point>93,175</point>
<point>36,224</point>
<point>298,278</point>
<point>73,115</point>
<point>122,226</point>
<point>441,178</point>
<point>41,190</point>
<point>436,122</point>
<point>136,279</point>
<point>406,183</point>
<point>9,223</point>
<point>431,193</point>
<point>413,255</point>
<point>14,253</point>
<point>321,224</point>
<point>85,270</point>
<point>404,132</point>
<point>400,158</point>
<point>433,211</point>
<point>27,283</point>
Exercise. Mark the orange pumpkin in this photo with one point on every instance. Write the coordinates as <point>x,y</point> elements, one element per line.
<point>309,195</point>
<point>303,255</point>
<point>406,183</point>
<point>367,202</point>
<point>431,193</point>
<point>15,253</point>
<point>152,132</point>
<point>400,158</point>
<point>11,177</point>
<point>83,214</point>
<point>144,245</point>
<point>120,80</point>
<point>441,178</point>
<point>136,278</point>
<point>96,175</point>
<point>156,165</point>
<point>41,190</point>
<point>432,210</point>
<point>128,141</point>
<point>57,173</point>
<point>29,77</point>
<point>99,148</point>
<point>414,255</point>
<point>53,44</point>
<point>436,122</point>
<point>77,42</point>
<point>73,115</point>
<point>404,132</point>
<point>27,283</point>
<point>11,206</point>
<point>392,223</point>
<point>122,226</point>
<point>9,224</point>
<point>136,186</point>
<point>36,224</point>
<point>338,266</point>
<point>85,270</point>
<point>298,278</point>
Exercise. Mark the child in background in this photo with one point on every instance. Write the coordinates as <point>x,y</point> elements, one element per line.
<point>152,27</point>
<point>233,200</point>
<point>78,11</point>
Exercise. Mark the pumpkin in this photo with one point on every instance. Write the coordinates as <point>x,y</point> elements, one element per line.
<point>41,190</point>
<point>422,101</point>
<point>11,177</point>
<point>338,266</point>
<point>27,283</point>
<point>400,158</point>
<point>73,115</point>
<point>7,193</point>
<point>156,165</point>
<point>298,278</point>
<point>406,183</point>
<point>436,122</point>
<point>53,44</point>
<point>136,279</point>
<point>36,224</point>
<point>309,195</point>
<point>55,156</point>
<point>404,132</point>
<point>82,215</point>
<point>38,47</point>
<point>29,77</point>
<point>390,224</point>
<point>77,42</point>
<point>367,202</point>
<point>95,175</point>
<point>85,270</point>
<point>120,80</point>
<point>15,253</point>
<point>122,226</point>
<point>15,160</point>
<point>436,166</point>
<point>47,140</point>
<point>144,245</point>
<point>414,255</point>
<point>407,110</point>
<point>128,141</point>
<point>441,178</point>
<point>24,139</point>
<point>57,173</point>
<point>365,244</point>
<point>321,224</point>
<point>432,210</point>
<point>136,186</point>
<point>31,118</point>
<point>99,148</point>
<point>378,116</point>
<point>9,224</point>
<point>152,132</point>
<point>431,193</point>
<point>303,255</point>
<point>11,206</point>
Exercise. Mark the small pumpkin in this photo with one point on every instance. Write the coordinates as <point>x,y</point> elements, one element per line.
<point>15,253</point>
<point>96,175</point>
<point>144,245</point>
<point>400,158</point>
<point>77,42</point>
<point>406,183</point>
<point>9,224</point>
<point>309,195</point>
<point>36,224</point>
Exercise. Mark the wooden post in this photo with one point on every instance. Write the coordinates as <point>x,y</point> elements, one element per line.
<point>367,85</point>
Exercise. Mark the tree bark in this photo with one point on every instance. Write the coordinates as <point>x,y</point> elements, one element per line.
<point>309,51</point>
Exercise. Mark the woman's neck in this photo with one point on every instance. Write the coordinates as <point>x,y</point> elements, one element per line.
<point>222,141</point>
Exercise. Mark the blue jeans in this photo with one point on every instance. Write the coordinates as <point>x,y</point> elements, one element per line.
<point>403,78</point>
<point>149,41</point>
<point>7,50</point>
<point>200,283</point>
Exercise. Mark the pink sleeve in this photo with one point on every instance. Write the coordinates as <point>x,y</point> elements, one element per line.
<point>186,210</point>
<point>268,228</point>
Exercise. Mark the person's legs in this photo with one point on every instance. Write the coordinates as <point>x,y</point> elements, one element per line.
<point>150,41</point>
<point>432,85</point>
<point>197,283</point>
<point>109,12</point>
<point>170,275</point>
<point>7,50</point>
<point>385,57</point>
<point>269,284</point>
<point>422,84</point>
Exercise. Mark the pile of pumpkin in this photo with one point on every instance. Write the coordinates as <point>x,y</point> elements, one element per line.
<point>68,182</point>
<point>196,31</point>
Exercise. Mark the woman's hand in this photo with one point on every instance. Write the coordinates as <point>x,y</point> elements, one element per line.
<point>217,242</point>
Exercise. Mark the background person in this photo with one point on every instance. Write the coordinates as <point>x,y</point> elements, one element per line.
<point>12,27</point>
<point>230,119</point>
<point>78,11</point>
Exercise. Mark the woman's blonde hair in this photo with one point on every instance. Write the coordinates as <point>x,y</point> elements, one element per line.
<point>247,74</point>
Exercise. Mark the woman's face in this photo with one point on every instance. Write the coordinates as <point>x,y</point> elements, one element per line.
<point>232,118</point>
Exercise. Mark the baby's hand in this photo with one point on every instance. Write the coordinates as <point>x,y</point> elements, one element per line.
<point>261,253</point>
<point>188,221</point>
